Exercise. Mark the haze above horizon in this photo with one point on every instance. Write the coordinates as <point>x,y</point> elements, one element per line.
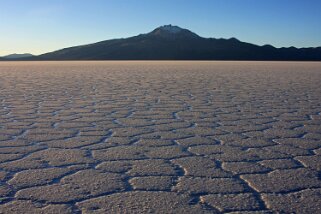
<point>41,26</point>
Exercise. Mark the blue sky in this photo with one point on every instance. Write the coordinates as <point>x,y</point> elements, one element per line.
<point>39,26</point>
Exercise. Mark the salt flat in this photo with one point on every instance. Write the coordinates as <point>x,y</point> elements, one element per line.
<point>160,137</point>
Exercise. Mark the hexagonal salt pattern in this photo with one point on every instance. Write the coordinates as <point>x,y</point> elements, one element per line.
<point>160,137</point>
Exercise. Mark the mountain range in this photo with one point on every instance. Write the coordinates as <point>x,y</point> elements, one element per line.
<point>18,56</point>
<point>174,43</point>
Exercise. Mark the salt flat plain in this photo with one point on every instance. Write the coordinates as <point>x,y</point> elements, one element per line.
<point>160,137</point>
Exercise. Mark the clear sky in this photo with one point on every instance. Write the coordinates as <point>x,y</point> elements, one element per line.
<point>39,26</point>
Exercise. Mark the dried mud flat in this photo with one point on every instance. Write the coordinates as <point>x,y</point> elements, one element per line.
<point>160,137</point>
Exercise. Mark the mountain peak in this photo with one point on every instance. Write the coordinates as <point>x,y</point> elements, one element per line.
<point>170,28</point>
<point>173,31</point>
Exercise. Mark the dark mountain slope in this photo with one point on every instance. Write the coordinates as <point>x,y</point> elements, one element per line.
<point>17,56</point>
<point>174,43</point>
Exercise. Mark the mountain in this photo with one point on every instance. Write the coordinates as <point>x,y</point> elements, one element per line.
<point>17,56</point>
<point>174,43</point>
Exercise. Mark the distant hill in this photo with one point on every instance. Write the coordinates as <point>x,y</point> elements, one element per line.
<point>17,56</point>
<point>174,43</point>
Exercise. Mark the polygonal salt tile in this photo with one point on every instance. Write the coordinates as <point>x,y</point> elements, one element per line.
<point>120,153</point>
<point>244,167</point>
<point>305,201</point>
<point>282,133</point>
<point>209,185</point>
<point>232,202</point>
<point>200,166</point>
<point>115,166</point>
<point>250,143</point>
<point>193,141</point>
<point>61,157</point>
<point>15,143</point>
<point>151,167</point>
<point>166,152</point>
<point>18,206</point>
<point>9,157</point>
<point>20,149</point>
<point>154,183</point>
<point>75,142</point>
<point>35,177</point>
<point>283,180</point>
<point>287,149</point>
<point>140,201</point>
<point>81,185</point>
<point>280,164</point>
<point>211,149</point>
<point>300,142</point>
<point>313,162</point>
<point>154,142</point>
